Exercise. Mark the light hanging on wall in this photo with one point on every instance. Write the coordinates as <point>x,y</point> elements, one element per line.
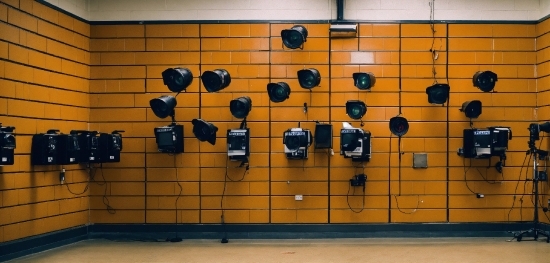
<point>240,107</point>
<point>204,131</point>
<point>163,106</point>
<point>177,79</point>
<point>295,37</point>
<point>399,126</point>
<point>215,80</point>
<point>472,108</point>
<point>278,92</point>
<point>309,78</point>
<point>356,109</point>
<point>438,93</point>
<point>364,81</point>
<point>485,80</point>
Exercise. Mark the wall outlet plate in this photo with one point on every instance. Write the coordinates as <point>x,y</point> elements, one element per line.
<point>298,197</point>
<point>420,160</point>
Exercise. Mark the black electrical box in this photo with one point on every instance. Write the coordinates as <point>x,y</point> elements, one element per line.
<point>68,149</point>
<point>44,150</point>
<point>7,145</point>
<point>110,146</point>
<point>89,146</point>
<point>169,138</point>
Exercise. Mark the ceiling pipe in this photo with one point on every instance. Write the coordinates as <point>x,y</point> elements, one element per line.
<point>341,28</point>
<point>339,10</point>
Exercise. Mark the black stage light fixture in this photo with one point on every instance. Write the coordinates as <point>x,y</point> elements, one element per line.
<point>399,126</point>
<point>169,138</point>
<point>215,80</point>
<point>471,108</point>
<point>110,145</point>
<point>278,92</point>
<point>309,78</point>
<point>204,131</point>
<point>438,93</point>
<point>163,106</point>
<point>323,136</point>
<point>485,80</point>
<point>7,145</point>
<point>364,81</point>
<point>240,107</point>
<point>356,109</point>
<point>177,79</point>
<point>44,150</point>
<point>295,37</point>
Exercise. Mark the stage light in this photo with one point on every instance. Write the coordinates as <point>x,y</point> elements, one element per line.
<point>356,109</point>
<point>399,126</point>
<point>364,81</point>
<point>215,80</point>
<point>295,37</point>
<point>485,80</point>
<point>309,78</point>
<point>438,93</point>
<point>472,108</point>
<point>163,106</point>
<point>204,131</point>
<point>278,92</point>
<point>177,79</point>
<point>240,107</point>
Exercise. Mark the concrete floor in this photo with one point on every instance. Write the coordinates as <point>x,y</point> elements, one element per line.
<point>373,250</point>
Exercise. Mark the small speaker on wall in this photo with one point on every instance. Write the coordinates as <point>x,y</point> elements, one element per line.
<point>323,136</point>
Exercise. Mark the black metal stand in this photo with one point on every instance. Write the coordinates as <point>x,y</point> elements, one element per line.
<point>535,231</point>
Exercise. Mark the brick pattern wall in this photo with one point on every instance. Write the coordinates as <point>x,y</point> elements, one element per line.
<point>127,61</point>
<point>44,71</point>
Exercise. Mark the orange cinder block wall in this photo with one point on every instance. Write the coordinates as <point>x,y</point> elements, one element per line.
<point>44,84</point>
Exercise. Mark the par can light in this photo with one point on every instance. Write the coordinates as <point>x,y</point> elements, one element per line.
<point>295,37</point>
<point>399,126</point>
<point>177,79</point>
<point>204,131</point>
<point>356,109</point>
<point>364,81</point>
<point>215,80</point>
<point>485,80</point>
<point>278,92</point>
<point>309,78</point>
<point>163,106</point>
<point>472,108</point>
<point>240,107</point>
<point>438,93</point>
